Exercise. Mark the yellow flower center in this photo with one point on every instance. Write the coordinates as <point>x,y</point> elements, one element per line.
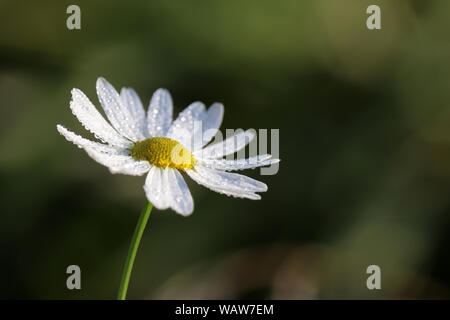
<point>163,152</point>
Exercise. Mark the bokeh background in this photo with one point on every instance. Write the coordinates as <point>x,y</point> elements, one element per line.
<point>364,119</point>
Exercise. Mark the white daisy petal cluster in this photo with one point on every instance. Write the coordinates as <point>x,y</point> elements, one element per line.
<point>135,142</point>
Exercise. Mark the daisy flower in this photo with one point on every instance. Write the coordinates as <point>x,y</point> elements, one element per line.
<point>135,142</point>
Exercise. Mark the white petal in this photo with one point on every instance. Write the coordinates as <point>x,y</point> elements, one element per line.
<point>230,181</point>
<point>182,129</point>
<point>134,105</point>
<point>155,188</point>
<point>123,164</point>
<point>251,196</point>
<point>93,121</point>
<point>85,143</point>
<point>240,164</point>
<point>159,114</point>
<point>220,189</point>
<point>228,146</point>
<point>116,111</point>
<point>211,123</point>
<point>180,197</point>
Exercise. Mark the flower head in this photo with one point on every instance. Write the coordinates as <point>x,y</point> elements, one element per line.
<point>136,143</point>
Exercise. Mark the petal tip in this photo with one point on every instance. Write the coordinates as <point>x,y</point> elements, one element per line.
<point>184,213</point>
<point>101,80</point>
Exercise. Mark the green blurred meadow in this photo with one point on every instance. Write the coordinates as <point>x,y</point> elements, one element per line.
<point>364,119</point>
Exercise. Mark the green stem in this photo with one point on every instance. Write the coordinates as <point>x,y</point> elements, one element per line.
<point>126,274</point>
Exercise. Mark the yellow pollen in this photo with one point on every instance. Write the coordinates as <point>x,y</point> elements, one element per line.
<point>163,152</point>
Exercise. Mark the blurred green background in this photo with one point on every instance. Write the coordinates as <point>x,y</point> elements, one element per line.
<point>364,121</point>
